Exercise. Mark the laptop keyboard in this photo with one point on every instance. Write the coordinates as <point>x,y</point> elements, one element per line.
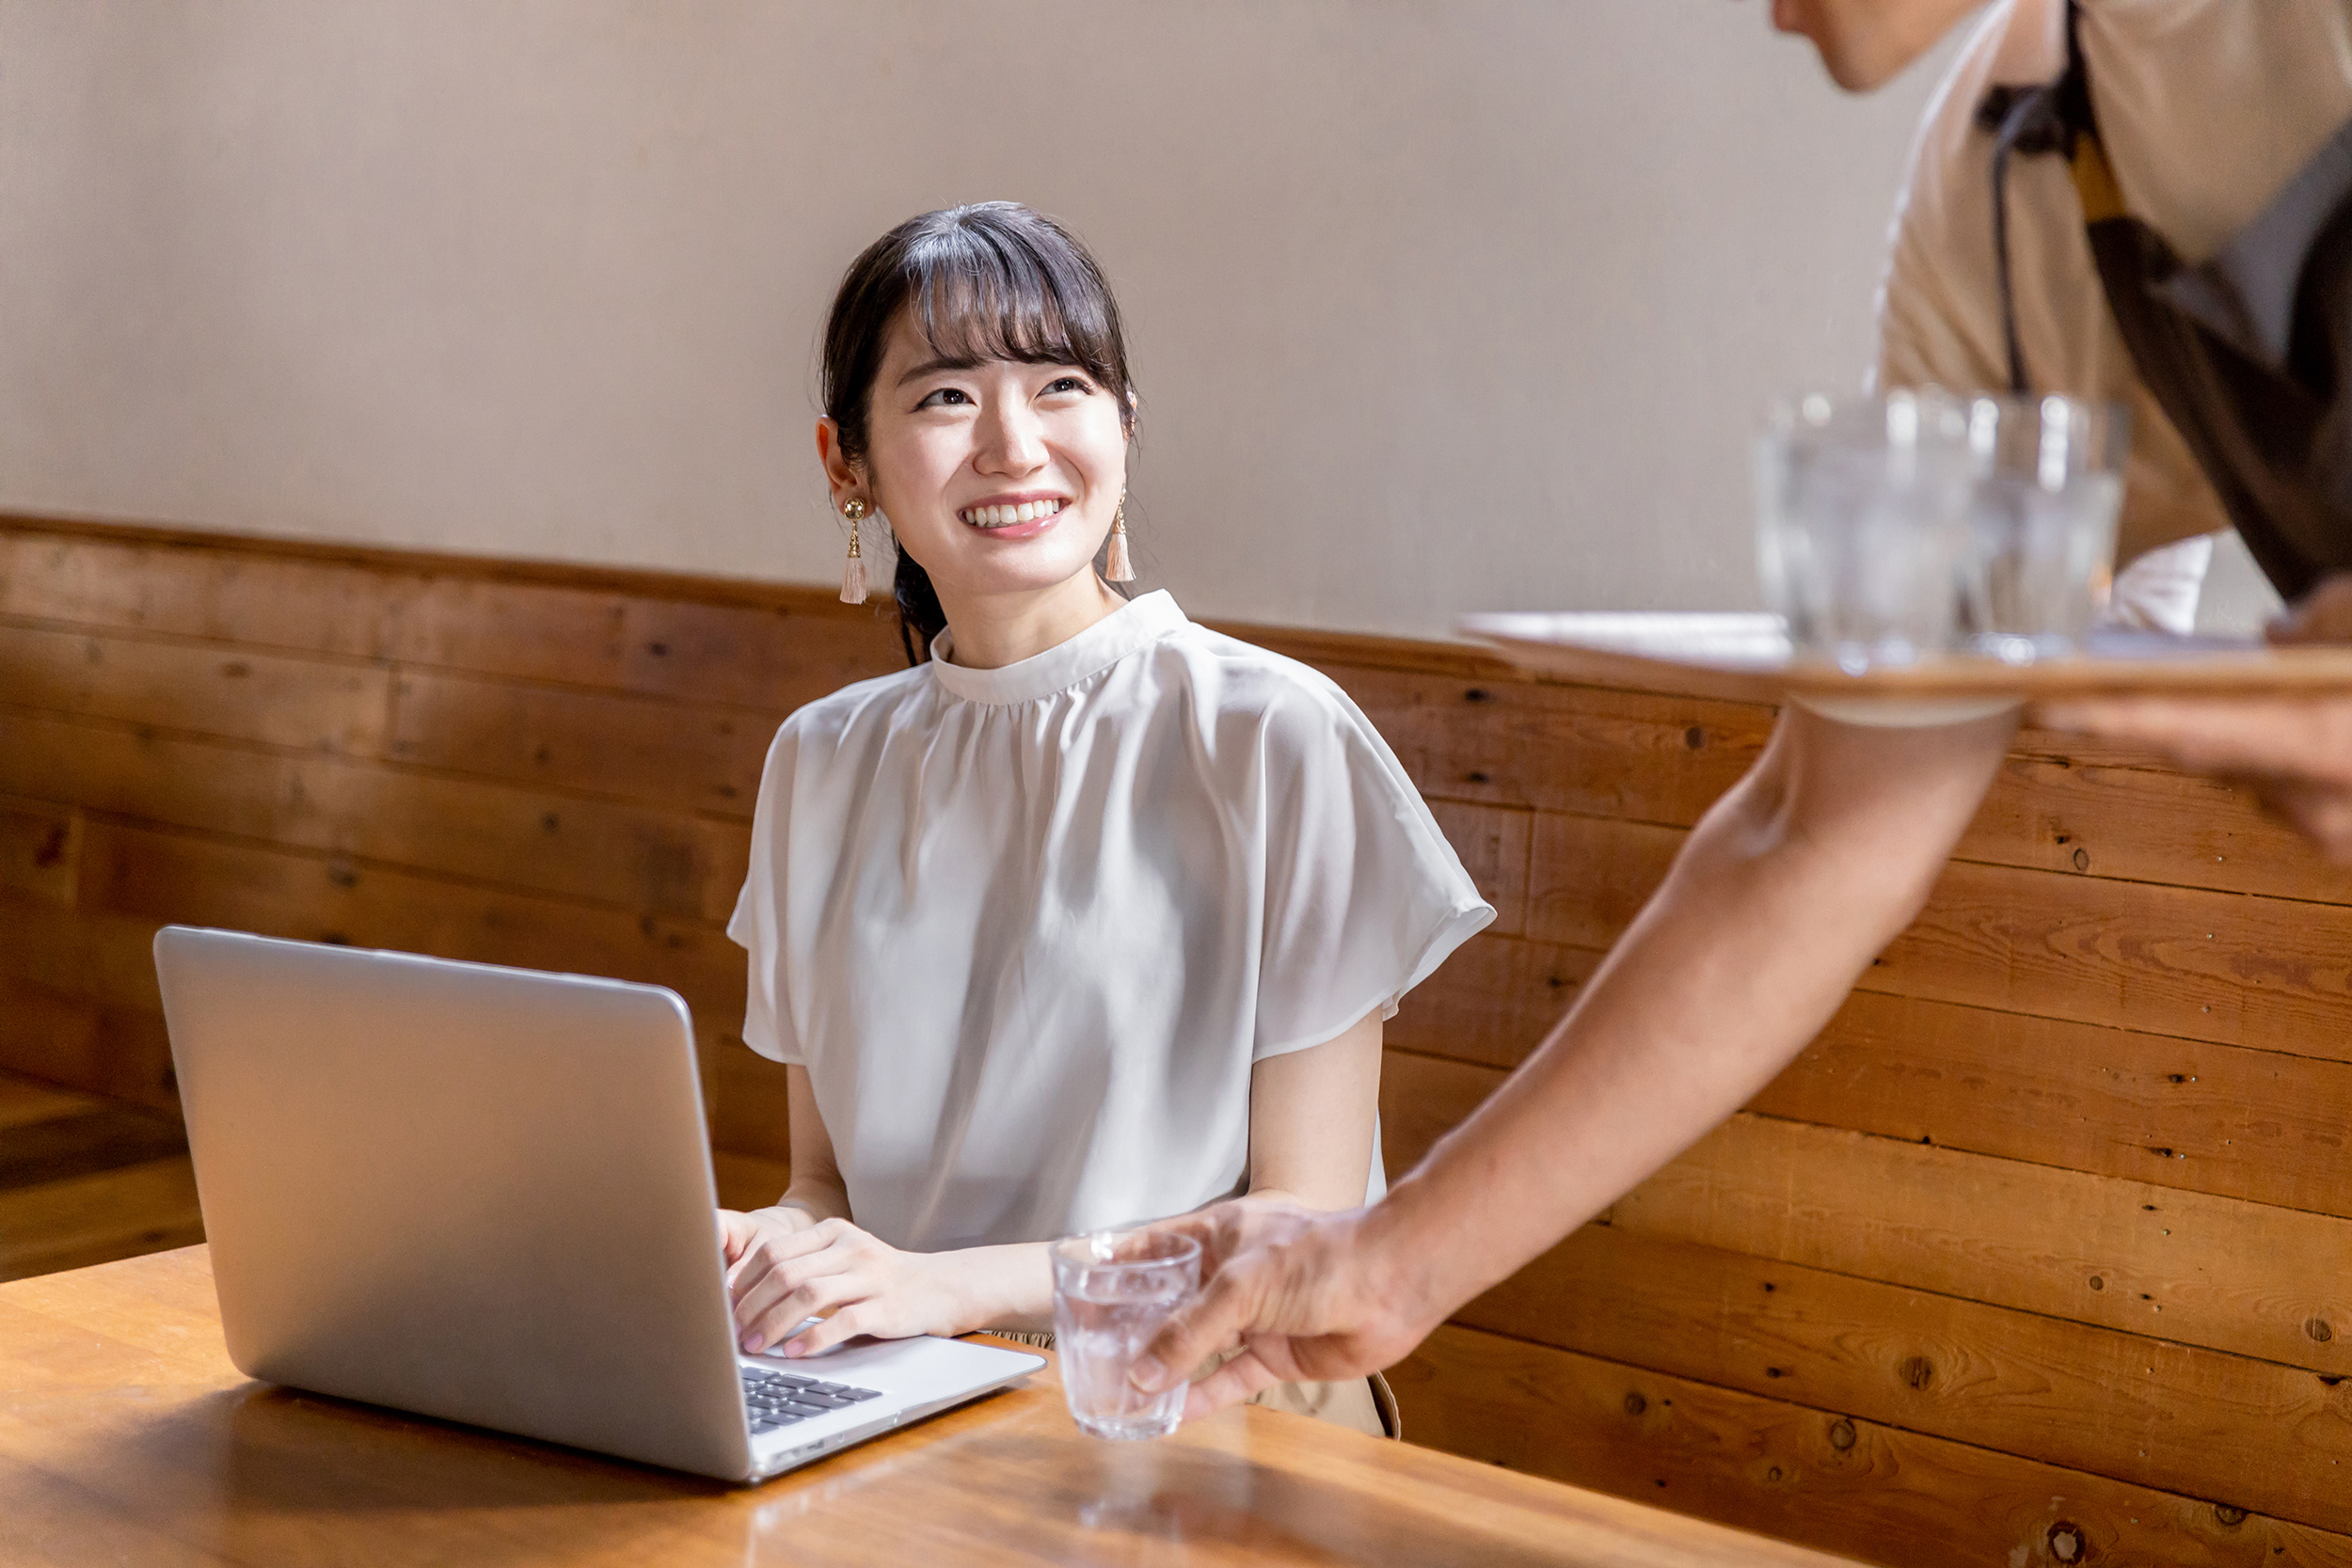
<point>776,1399</point>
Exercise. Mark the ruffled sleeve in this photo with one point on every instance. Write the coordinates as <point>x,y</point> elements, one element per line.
<point>756,925</point>
<point>1363,896</point>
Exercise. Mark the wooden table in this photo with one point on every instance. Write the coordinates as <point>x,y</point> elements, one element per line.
<point>126,1437</point>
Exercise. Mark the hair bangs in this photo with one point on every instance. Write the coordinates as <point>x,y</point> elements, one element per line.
<point>978,292</point>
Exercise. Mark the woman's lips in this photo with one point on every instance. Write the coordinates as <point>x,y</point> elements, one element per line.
<point>1020,520</point>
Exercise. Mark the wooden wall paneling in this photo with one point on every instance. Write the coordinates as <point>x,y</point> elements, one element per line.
<point>1492,842</point>
<point>656,751</point>
<point>94,1219</point>
<point>2238,969</point>
<point>94,956</point>
<point>2218,1272</point>
<point>258,595</point>
<point>1422,1100</point>
<point>1493,1001</point>
<point>2144,823</point>
<point>1830,1480</point>
<point>2255,1435</point>
<point>750,1108</point>
<point>581,845</point>
<point>49,1036</point>
<point>2237,1122</point>
<point>2260,1125</point>
<point>751,643</point>
<point>307,703</point>
<point>1584,749</point>
<point>41,849</point>
<point>314,897</point>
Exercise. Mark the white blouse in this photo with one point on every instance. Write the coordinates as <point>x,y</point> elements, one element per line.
<point>1029,929</point>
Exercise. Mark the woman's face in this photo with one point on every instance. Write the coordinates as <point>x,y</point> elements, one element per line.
<point>997,478</point>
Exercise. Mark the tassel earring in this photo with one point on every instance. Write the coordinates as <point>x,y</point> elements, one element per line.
<point>853,575</point>
<point>1116,566</point>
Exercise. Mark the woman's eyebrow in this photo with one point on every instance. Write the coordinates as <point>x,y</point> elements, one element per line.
<point>936,363</point>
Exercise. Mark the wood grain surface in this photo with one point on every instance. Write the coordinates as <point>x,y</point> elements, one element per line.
<point>2116,1045</point>
<point>126,1436</point>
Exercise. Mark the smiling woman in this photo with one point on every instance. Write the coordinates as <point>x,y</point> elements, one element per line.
<point>975,382</point>
<point>1091,916</point>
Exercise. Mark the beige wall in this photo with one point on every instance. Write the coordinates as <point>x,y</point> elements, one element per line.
<point>1438,306</point>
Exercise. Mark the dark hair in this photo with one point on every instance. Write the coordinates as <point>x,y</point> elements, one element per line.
<point>994,281</point>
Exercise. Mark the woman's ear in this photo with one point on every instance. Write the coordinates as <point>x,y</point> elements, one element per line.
<point>842,476</point>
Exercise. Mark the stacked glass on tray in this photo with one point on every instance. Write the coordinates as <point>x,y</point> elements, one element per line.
<point>1900,529</point>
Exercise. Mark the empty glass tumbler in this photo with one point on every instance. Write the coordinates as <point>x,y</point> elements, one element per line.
<point>1112,1290</point>
<point>1893,529</point>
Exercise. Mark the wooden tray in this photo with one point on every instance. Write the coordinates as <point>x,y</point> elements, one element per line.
<point>1748,656</point>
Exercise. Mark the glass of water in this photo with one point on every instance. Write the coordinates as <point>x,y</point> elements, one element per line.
<point>1863,525</point>
<point>1897,528</point>
<point>1112,1290</point>
<point>2042,515</point>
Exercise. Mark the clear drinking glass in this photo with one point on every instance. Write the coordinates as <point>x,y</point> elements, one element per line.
<point>1862,524</point>
<point>1112,1290</point>
<point>1891,530</point>
<point>2049,487</point>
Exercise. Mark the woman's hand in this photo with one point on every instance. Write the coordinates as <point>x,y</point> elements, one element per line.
<point>780,1274</point>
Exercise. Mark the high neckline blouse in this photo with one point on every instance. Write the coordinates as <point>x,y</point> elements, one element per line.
<point>1029,929</point>
<point>1133,626</point>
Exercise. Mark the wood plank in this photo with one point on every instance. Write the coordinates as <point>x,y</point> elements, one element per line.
<point>749,1180</point>
<point>26,1100</point>
<point>2144,823</point>
<point>40,847</point>
<point>750,1107</point>
<point>1422,1100</point>
<point>2260,1125</point>
<point>2217,1271</point>
<point>48,1037</point>
<point>307,703</point>
<point>655,749</point>
<point>1493,844</point>
<point>1579,748</point>
<point>107,1137</point>
<point>1493,1001</point>
<point>1831,1482</point>
<point>633,856</point>
<point>2268,1438</point>
<point>308,896</point>
<point>2234,1121</point>
<point>621,630</point>
<point>196,586</point>
<point>2268,972</point>
<point>96,1219</point>
<point>62,1035</point>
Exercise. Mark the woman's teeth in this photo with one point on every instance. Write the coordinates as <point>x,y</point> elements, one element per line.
<point>1005,516</point>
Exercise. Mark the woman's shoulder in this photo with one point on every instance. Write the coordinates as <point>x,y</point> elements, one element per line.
<point>831,719</point>
<point>1244,680</point>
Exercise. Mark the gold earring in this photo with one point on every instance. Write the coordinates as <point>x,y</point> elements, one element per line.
<point>853,575</point>
<point>1116,566</point>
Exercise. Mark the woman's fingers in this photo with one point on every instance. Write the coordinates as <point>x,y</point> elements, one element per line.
<point>845,1323</point>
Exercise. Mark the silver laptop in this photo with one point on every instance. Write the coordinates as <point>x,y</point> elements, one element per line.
<point>485,1195</point>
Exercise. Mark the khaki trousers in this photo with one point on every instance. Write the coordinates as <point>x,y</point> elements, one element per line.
<point>1360,1405</point>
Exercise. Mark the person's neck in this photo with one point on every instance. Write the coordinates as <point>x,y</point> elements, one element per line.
<point>996,629</point>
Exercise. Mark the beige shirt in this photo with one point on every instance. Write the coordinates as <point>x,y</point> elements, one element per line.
<point>2206,108</point>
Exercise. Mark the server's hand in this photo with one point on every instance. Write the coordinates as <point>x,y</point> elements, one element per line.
<point>2295,752</point>
<point>1304,1294</point>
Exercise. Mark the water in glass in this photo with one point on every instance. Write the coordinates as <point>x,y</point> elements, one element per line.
<point>1112,1290</point>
